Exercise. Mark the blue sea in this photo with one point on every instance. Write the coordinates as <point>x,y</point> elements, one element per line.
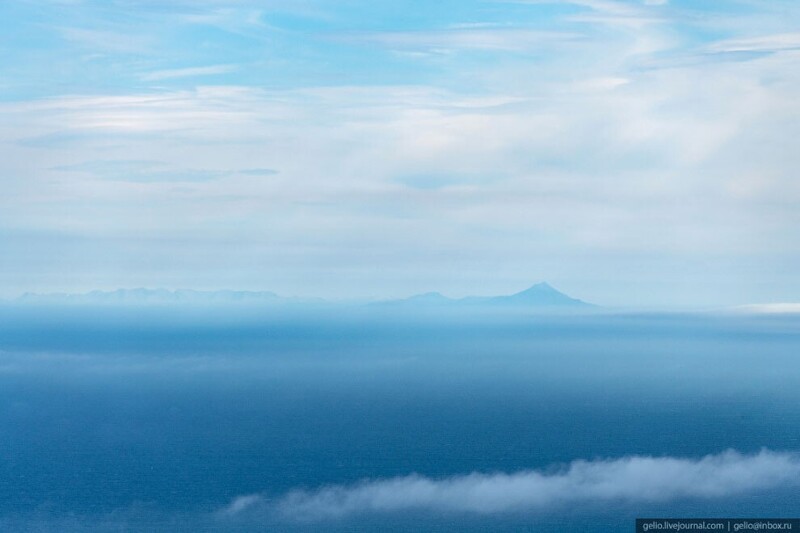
<point>250,419</point>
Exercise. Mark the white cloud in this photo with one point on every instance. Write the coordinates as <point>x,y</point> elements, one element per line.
<point>108,41</point>
<point>601,142</point>
<point>763,43</point>
<point>602,160</point>
<point>241,503</point>
<point>502,39</point>
<point>627,480</point>
<point>187,72</point>
<point>770,309</point>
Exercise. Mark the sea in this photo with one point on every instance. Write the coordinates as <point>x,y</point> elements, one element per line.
<point>248,418</point>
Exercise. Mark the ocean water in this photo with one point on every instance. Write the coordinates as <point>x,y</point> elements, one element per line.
<point>170,419</point>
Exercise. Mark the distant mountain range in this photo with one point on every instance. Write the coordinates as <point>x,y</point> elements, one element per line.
<point>539,296</point>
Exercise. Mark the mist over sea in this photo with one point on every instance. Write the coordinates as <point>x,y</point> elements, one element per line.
<point>244,418</point>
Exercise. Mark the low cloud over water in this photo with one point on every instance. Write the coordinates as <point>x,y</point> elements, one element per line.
<point>635,479</point>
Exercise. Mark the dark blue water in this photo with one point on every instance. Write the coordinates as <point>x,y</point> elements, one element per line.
<point>155,420</point>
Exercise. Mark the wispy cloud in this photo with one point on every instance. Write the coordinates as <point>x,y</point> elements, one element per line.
<point>240,20</point>
<point>627,480</point>
<point>468,130</point>
<point>188,72</point>
<point>769,309</point>
<point>764,43</point>
<point>499,39</point>
<point>108,41</point>
<point>142,171</point>
<point>259,171</point>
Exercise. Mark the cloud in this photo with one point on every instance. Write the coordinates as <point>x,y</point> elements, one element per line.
<point>457,39</point>
<point>139,171</point>
<point>108,41</point>
<point>188,72</point>
<point>765,43</point>
<point>637,479</point>
<point>259,171</point>
<point>529,138</point>
<point>241,503</point>
<point>770,309</point>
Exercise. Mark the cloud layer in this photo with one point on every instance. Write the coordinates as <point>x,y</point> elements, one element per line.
<point>627,480</point>
<point>419,147</point>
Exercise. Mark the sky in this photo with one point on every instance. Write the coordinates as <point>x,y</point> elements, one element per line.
<point>631,153</point>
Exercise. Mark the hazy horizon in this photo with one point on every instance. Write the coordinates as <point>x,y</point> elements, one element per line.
<point>268,296</point>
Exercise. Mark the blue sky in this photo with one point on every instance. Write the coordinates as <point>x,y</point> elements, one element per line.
<point>628,152</point>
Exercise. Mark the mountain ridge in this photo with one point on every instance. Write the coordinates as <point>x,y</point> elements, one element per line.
<point>540,295</point>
